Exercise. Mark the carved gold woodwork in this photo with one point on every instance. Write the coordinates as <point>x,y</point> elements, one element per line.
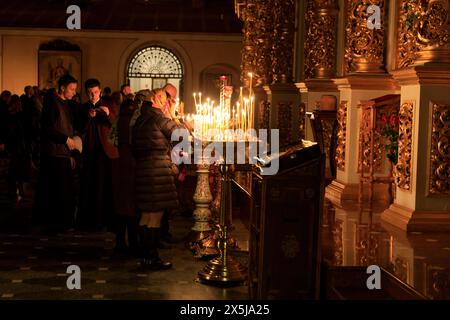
<point>402,171</point>
<point>247,12</point>
<point>423,32</point>
<point>366,245</point>
<point>268,46</point>
<point>338,236</point>
<point>364,47</point>
<point>342,135</point>
<point>283,36</point>
<point>379,154</point>
<point>401,269</point>
<point>371,153</point>
<point>285,122</point>
<point>408,48</point>
<point>320,43</point>
<point>263,45</point>
<point>302,117</point>
<point>264,115</point>
<point>440,150</point>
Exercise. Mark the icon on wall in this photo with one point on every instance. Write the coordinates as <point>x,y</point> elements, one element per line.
<point>54,64</point>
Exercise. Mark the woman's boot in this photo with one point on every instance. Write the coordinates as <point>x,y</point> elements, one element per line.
<point>151,259</point>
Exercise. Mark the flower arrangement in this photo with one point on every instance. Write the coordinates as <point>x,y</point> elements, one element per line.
<point>390,132</point>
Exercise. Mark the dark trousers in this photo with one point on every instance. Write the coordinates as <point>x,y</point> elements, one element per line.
<point>55,202</point>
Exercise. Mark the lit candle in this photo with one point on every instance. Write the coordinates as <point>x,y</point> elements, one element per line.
<point>251,83</point>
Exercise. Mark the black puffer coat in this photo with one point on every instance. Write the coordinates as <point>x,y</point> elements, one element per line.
<point>154,181</point>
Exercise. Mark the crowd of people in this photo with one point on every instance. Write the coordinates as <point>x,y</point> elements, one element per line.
<point>102,165</point>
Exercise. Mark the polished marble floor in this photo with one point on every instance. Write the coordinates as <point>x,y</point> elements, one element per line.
<point>354,237</point>
<point>33,266</point>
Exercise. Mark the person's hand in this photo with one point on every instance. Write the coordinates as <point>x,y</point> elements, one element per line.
<point>105,110</point>
<point>92,113</point>
<point>70,143</point>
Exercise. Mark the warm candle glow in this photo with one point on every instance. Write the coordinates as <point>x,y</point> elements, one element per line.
<point>239,118</point>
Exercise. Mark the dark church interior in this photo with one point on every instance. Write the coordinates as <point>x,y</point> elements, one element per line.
<point>221,150</point>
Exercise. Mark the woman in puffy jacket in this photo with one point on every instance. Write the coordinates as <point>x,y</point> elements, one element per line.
<point>155,189</point>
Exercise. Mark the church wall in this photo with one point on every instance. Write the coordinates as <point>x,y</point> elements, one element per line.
<point>105,55</point>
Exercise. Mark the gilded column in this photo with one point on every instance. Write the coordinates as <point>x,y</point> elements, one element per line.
<point>365,78</point>
<point>320,50</point>
<point>246,10</point>
<point>423,70</point>
<point>283,40</point>
<point>320,44</point>
<point>424,34</point>
<point>364,49</point>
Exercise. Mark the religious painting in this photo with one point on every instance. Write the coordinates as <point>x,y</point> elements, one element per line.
<point>54,64</point>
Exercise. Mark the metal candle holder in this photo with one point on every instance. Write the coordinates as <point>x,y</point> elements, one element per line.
<point>224,269</point>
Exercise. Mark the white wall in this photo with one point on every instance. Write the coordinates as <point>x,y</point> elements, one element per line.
<point>106,54</point>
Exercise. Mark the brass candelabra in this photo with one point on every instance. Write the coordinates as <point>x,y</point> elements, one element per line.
<point>224,269</point>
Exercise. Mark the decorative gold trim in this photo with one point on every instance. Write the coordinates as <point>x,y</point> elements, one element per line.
<point>425,75</point>
<point>439,182</point>
<point>403,169</point>
<point>302,120</point>
<point>321,35</point>
<point>283,38</point>
<point>364,48</point>
<point>285,122</point>
<point>424,32</point>
<point>342,135</point>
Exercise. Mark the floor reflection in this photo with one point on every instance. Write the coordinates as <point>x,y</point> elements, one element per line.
<point>353,237</point>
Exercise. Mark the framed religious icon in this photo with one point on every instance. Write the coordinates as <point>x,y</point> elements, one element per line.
<point>54,64</point>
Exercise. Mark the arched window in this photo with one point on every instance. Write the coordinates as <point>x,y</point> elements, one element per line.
<point>153,67</point>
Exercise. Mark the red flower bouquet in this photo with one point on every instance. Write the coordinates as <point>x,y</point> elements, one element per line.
<point>390,132</point>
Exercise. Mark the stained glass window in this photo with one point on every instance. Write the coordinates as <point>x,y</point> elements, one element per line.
<point>155,62</point>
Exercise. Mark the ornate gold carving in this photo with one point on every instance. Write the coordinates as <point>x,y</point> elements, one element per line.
<point>320,43</point>
<point>367,245</point>
<point>327,126</point>
<point>247,12</point>
<point>338,236</point>
<point>365,135</point>
<point>402,171</point>
<point>401,269</point>
<point>263,27</point>
<point>283,12</point>
<point>264,114</point>
<point>364,49</point>
<point>424,32</point>
<point>302,119</point>
<point>285,122</point>
<point>440,151</point>
<point>408,47</point>
<point>342,135</point>
<point>367,130</point>
<point>256,51</point>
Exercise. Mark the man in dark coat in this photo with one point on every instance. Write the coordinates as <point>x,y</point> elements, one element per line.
<point>95,211</point>
<point>54,204</point>
<point>154,181</point>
